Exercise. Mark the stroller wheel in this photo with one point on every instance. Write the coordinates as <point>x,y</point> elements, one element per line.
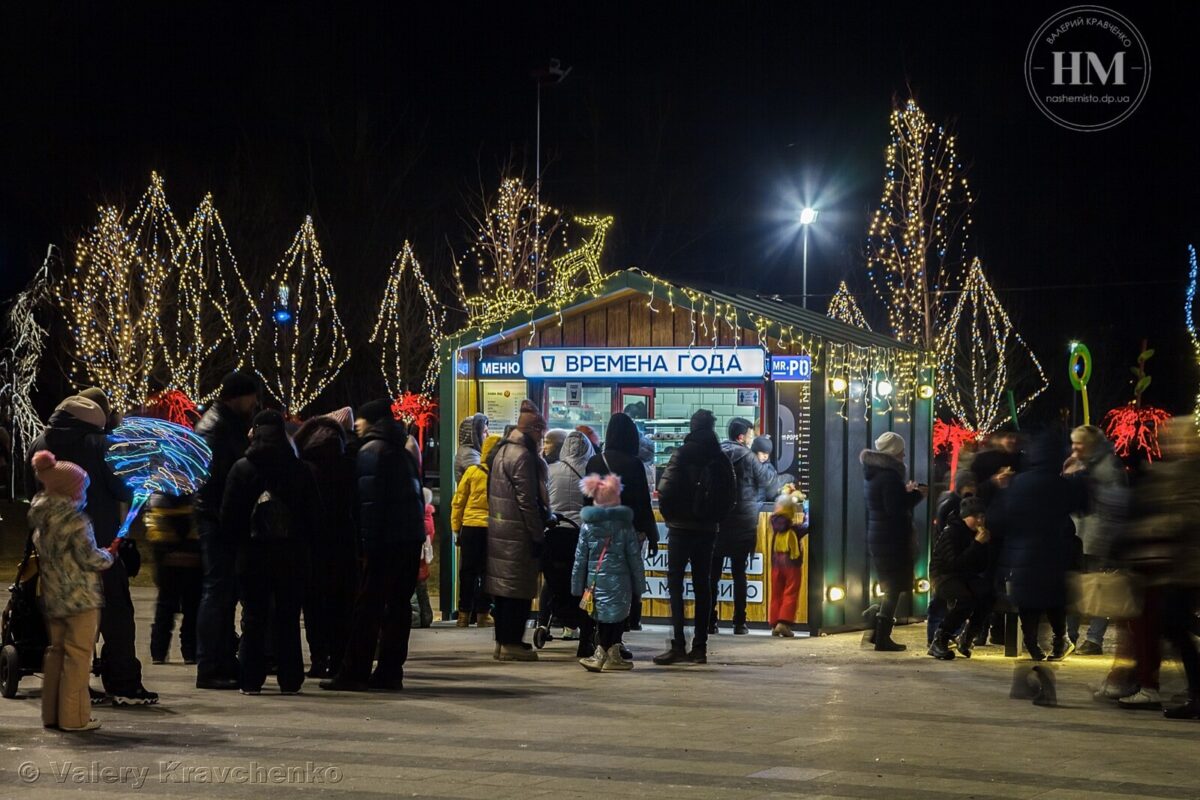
<point>541,635</point>
<point>10,671</point>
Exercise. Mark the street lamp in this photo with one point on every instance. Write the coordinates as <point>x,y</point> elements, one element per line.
<point>808,216</point>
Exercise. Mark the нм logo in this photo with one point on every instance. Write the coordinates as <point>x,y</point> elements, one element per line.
<point>1070,62</point>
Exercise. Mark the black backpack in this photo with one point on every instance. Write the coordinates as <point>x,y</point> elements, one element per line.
<point>715,489</point>
<point>270,521</point>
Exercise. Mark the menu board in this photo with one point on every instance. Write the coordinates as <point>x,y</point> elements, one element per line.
<point>502,402</point>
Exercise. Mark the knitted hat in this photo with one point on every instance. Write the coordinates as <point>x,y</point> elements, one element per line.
<point>373,411</point>
<point>343,417</point>
<point>237,384</point>
<point>762,444</point>
<point>971,507</point>
<point>703,420</point>
<point>60,478</point>
<point>891,444</point>
<point>530,421</point>
<point>97,396</point>
<point>85,410</point>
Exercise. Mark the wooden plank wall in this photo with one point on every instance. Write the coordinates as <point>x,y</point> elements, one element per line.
<point>626,322</point>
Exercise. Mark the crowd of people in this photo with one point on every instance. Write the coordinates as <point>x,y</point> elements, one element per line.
<point>1050,534</point>
<point>330,522</point>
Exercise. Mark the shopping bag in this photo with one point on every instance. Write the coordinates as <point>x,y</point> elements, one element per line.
<point>1114,595</point>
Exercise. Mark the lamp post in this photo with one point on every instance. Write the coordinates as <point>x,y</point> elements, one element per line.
<point>808,216</point>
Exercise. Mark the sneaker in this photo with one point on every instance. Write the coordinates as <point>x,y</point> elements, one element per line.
<point>675,655</point>
<point>517,652</point>
<point>1062,648</point>
<point>340,684</point>
<point>289,692</point>
<point>1142,698</point>
<point>484,621</point>
<point>250,692</point>
<point>1089,648</point>
<point>91,725</point>
<point>615,661</point>
<point>1189,710</point>
<point>1036,653</point>
<point>158,662</point>
<point>595,662</point>
<point>97,698</point>
<point>216,683</point>
<point>570,634</point>
<point>1113,691</point>
<point>741,629</point>
<point>383,684</point>
<point>140,697</point>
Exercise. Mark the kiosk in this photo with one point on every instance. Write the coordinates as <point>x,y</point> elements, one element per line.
<point>658,351</point>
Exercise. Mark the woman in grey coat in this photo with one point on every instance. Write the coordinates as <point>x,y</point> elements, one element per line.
<point>518,511</point>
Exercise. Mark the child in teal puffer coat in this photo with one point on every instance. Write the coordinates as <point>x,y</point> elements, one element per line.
<point>608,565</point>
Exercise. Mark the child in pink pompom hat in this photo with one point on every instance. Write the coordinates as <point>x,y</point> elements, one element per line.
<point>608,565</point>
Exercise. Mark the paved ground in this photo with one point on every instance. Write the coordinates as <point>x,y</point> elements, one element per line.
<point>768,718</point>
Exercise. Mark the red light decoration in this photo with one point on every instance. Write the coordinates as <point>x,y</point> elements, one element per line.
<point>951,436</point>
<point>1133,428</point>
<point>413,408</point>
<point>173,406</point>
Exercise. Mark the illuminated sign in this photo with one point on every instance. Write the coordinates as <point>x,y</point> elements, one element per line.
<point>791,368</point>
<point>500,367</point>
<point>713,363</point>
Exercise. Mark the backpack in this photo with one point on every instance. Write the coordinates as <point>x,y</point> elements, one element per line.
<point>716,490</point>
<point>270,521</point>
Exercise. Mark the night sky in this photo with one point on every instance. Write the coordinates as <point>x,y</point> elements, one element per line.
<point>702,127</point>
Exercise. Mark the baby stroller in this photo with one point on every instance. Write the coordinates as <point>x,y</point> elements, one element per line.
<point>23,628</point>
<point>558,559</point>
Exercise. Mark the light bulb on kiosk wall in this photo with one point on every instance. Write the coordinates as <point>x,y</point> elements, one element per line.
<point>835,594</point>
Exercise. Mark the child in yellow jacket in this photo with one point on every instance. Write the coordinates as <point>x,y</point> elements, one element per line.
<point>468,520</point>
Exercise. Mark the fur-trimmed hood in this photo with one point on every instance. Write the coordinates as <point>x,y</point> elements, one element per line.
<point>875,460</point>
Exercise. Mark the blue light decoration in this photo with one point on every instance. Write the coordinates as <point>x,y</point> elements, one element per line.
<point>283,311</point>
<point>153,455</point>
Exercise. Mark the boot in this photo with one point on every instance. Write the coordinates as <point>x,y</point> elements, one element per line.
<point>615,662</point>
<point>677,654</point>
<point>463,621</point>
<point>940,647</point>
<point>1062,648</point>
<point>595,662</point>
<point>883,636</point>
<point>968,640</point>
<point>782,629</point>
<point>699,654</point>
<point>484,620</point>
<point>1189,710</point>
<point>870,618</point>
<point>515,652</point>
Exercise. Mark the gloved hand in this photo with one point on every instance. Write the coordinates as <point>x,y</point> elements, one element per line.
<point>127,551</point>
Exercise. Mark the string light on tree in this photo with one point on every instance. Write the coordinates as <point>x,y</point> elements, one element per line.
<point>1190,319</point>
<point>408,348</point>
<point>844,308</point>
<point>309,348</point>
<point>976,353</point>
<point>917,240</point>
<point>160,242</point>
<point>108,309</point>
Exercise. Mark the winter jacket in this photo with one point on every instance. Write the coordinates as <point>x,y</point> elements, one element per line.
<point>1107,488</point>
<point>677,484</point>
<point>1032,521</point>
<point>566,498</point>
<point>227,435</point>
<point>890,536</point>
<point>470,444</point>
<point>988,463</point>
<point>391,505</point>
<point>427,548</point>
<point>1161,543</point>
<point>621,574</point>
<point>171,529</point>
<point>622,455</point>
<point>469,508</point>
<point>72,439</point>
<point>518,511</point>
<point>321,443</point>
<point>270,465</point>
<point>68,559</point>
<point>956,553</point>
<point>755,482</point>
<point>946,511</point>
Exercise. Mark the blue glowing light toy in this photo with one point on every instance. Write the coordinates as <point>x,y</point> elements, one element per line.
<point>153,455</point>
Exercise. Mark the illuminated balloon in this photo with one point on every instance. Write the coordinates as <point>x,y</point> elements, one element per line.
<point>153,455</point>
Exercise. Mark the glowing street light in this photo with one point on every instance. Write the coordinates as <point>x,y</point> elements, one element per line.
<point>808,216</point>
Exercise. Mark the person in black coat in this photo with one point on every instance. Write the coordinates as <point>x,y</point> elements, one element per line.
<point>890,536</point>
<point>957,570</point>
<point>330,597</point>
<point>622,446</point>
<point>76,433</point>
<point>692,524</point>
<point>1032,521</point>
<point>391,529</point>
<point>756,480</point>
<point>994,466</point>
<point>224,427</point>
<point>270,509</point>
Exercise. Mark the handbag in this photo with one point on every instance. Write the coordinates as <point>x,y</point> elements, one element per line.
<point>588,601</point>
<point>1113,595</point>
